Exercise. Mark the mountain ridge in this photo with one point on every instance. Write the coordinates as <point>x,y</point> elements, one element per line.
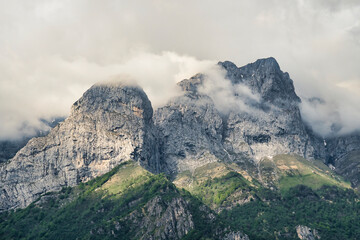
<point>114,122</point>
<point>117,169</point>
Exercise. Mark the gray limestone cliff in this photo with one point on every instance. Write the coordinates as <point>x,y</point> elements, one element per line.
<point>195,132</point>
<point>343,152</point>
<point>191,129</point>
<point>9,147</point>
<point>274,126</point>
<point>236,236</point>
<point>111,123</point>
<point>161,219</point>
<point>306,233</point>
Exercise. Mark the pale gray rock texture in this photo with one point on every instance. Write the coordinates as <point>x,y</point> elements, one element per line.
<point>343,153</point>
<point>195,132</point>
<point>111,123</point>
<point>191,129</point>
<point>273,126</point>
<point>306,233</point>
<point>236,236</point>
<point>9,147</point>
<point>338,147</point>
<point>162,219</point>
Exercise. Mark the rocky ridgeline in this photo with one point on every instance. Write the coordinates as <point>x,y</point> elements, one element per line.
<point>111,123</point>
<point>165,220</point>
<point>9,147</point>
<point>196,133</point>
<point>343,153</point>
<point>275,126</point>
<point>191,129</point>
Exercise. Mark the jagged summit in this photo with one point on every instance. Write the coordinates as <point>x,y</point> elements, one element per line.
<point>266,63</point>
<point>192,84</point>
<point>114,122</point>
<point>260,64</point>
<point>114,96</point>
<point>265,77</point>
<point>203,133</point>
<point>108,125</point>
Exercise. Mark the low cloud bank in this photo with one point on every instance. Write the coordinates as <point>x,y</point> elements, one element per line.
<point>52,51</point>
<point>49,86</point>
<point>226,96</point>
<point>333,114</point>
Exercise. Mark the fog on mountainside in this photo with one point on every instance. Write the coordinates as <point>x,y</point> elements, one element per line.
<point>52,51</point>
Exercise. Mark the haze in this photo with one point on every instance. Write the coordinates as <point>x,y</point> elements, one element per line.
<point>52,51</point>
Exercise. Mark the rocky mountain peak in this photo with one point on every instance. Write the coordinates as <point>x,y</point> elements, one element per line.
<point>265,77</point>
<point>110,124</point>
<point>196,132</point>
<point>114,97</point>
<point>269,63</point>
<point>191,85</point>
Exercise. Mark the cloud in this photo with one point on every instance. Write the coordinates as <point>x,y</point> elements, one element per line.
<point>333,116</point>
<point>52,51</point>
<point>44,88</point>
<point>226,96</point>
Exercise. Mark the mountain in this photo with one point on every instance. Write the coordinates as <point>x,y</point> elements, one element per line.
<point>343,153</point>
<point>9,147</point>
<point>276,127</point>
<point>109,124</point>
<point>126,203</point>
<point>195,133</point>
<point>191,169</point>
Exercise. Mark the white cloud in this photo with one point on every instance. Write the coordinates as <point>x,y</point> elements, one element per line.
<point>226,96</point>
<point>47,87</point>
<point>51,51</point>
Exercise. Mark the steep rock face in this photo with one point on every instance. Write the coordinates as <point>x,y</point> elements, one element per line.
<point>274,126</point>
<point>161,219</point>
<point>306,233</point>
<point>265,77</point>
<point>191,129</point>
<point>9,147</point>
<point>195,132</point>
<point>110,124</point>
<point>236,236</point>
<point>338,147</point>
<point>344,154</point>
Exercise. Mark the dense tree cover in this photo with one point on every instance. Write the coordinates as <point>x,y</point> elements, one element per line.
<point>217,190</point>
<point>89,210</point>
<point>334,212</point>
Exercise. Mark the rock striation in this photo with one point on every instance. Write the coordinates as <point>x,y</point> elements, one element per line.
<point>9,147</point>
<point>161,219</point>
<point>111,123</point>
<point>195,132</point>
<point>114,122</point>
<point>274,126</point>
<point>191,128</point>
<point>306,233</point>
<point>236,236</point>
<point>343,153</point>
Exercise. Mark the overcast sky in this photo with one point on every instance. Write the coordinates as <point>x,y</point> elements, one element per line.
<point>52,51</point>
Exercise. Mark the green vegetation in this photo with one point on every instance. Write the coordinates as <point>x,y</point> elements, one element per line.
<point>334,212</point>
<point>217,190</point>
<point>114,205</point>
<point>102,208</point>
<point>216,185</point>
<point>287,171</point>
